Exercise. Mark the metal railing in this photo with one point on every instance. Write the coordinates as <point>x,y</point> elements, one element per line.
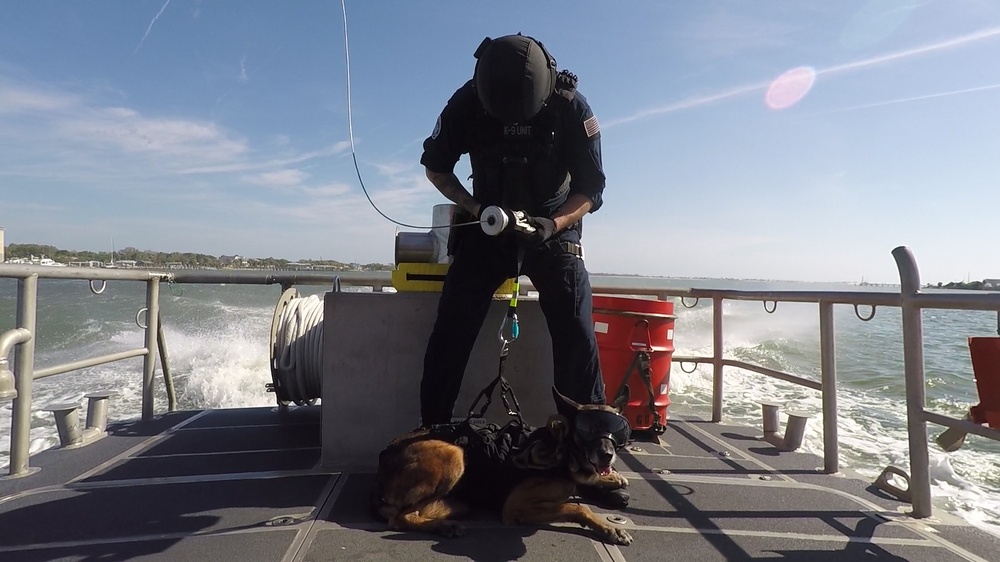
<point>917,416</point>
<point>22,340</point>
<point>827,385</point>
<point>909,299</point>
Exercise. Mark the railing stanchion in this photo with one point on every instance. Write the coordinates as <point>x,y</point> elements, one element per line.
<point>828,380</point>
<point>717,349</point>
<point>168,380</point>
<point>149,361</point>
<point>24,357</point>
<point>913,360</point>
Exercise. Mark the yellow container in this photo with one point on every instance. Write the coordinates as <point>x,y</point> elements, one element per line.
<point>429,278</point>
<point>419,277</point>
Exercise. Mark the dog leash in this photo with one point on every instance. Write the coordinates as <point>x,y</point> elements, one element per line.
<point>509,321</point>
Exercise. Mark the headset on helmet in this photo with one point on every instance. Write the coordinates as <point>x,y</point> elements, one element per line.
<point>514,77</point>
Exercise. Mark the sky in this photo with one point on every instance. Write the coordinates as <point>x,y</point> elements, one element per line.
<point>756,140</point>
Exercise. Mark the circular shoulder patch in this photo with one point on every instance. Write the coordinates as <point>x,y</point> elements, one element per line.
<point>437,128</point>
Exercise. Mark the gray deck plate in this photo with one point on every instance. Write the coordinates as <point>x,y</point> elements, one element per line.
<point>153,509</point>
<point>481,544</point>
<point>228,439</point>
<point>218,548</point>
<point>212,488</point>
<point>257,461</point>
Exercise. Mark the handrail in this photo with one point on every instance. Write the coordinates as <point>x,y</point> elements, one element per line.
<point>909,299</point>
<point>24,355</point>
<point>23,343</point>
<point>917,416</point>
<point>204,276</point>
<point>91,362</point>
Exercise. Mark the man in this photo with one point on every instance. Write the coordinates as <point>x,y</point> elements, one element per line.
<point>534,146</point>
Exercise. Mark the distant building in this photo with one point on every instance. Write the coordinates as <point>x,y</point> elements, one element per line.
<point>2,245</point>
<point>36,260</point>
<point>991,283</point>
<point>233,261</point>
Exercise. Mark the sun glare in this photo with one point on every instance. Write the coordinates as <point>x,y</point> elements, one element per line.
<point>789,88</point>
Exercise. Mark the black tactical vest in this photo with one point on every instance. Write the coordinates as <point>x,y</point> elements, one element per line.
<point>524,166</point>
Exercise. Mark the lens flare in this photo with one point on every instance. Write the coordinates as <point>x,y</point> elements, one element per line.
<point>789,88</point>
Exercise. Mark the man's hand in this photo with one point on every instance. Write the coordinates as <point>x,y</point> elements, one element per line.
<point>535,230</point>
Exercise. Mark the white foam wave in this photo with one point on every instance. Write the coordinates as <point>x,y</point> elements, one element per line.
<point>229,372</point>
<point>871,424</point>
<point>225,366</point>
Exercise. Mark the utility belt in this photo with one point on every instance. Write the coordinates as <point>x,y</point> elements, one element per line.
<point>571,248</point>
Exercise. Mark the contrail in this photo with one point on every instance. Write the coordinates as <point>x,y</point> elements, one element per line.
<point>914,98</point>
<point>150,28</point>
<point>749,88</point>
<point>955,42</point>
<point>687,104</point>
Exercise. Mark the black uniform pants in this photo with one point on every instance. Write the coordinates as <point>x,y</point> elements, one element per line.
<point>481,264</point>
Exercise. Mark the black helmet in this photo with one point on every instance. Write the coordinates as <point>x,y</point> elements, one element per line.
<point>514,77</point>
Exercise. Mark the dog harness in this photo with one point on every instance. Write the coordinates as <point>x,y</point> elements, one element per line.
<point>498,457</point>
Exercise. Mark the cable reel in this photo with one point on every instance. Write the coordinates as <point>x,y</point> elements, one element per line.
<point>295,362</point>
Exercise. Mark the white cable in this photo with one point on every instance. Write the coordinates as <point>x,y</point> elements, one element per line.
<point>350,132</point>
<point>300,348</point>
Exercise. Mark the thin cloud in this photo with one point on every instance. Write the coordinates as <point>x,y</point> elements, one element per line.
<point>18,100</point>
<point>56,135</point>
<point>332,150</point>
<point>341,208</point>
<point>150,28</point>
<point>132,132</point>
<point>330,190</point>
<point>694,102</point>
<point>33,207</point>
<point>279,178</point>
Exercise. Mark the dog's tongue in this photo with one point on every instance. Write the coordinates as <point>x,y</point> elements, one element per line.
<point>606,471</point>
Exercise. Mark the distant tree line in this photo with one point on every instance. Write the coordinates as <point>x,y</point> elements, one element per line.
<point>162,259</point>
<point>971,285</point>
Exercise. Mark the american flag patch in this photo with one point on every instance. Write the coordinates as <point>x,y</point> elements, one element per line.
<point>591,127</point>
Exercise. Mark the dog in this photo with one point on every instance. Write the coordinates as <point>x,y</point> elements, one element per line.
<point>429,477</point>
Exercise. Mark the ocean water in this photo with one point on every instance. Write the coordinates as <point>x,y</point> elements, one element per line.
<point>217,340</point>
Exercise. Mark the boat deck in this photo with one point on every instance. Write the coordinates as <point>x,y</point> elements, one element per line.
<point>242,485</point>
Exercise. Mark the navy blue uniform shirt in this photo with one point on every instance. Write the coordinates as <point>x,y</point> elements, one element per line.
<point>532,166</point>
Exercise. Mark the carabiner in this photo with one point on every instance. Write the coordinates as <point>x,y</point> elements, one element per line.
<point>514,330</point>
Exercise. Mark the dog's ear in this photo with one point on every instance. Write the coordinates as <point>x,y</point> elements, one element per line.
<point>559,426</point>
<point>564,406</point>
<point>622,400</point>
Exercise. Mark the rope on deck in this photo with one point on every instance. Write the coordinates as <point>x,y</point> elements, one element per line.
<point>297,360</point>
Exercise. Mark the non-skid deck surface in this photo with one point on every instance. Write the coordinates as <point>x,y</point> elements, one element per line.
<point>242,485</point>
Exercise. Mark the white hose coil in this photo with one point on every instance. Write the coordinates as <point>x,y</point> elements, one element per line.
<point>299,348</point>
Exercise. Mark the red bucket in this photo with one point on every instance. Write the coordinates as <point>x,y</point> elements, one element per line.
<point>986,368</point>
<point>635,342</point>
